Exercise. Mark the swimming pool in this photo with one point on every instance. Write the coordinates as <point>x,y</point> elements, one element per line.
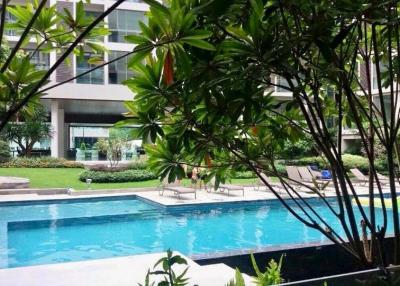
<point>33,233</point>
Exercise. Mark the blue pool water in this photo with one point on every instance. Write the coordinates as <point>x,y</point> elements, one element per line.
<point>52,232</point>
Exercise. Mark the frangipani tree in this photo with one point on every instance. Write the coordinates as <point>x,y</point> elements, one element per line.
<point>21,83</point>
<point>211,105</point>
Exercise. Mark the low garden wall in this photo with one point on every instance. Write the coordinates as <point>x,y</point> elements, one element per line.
<point>300,262</point>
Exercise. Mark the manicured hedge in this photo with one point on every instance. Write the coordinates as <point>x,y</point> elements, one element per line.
<point>349,161</point>
<point>117,177</point>
<point>41,162</point>
<point>244,175</point>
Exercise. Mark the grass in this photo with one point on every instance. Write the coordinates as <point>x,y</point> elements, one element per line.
<point>64,177</point>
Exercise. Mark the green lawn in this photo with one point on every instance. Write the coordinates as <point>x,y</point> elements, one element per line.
<point>63,178</point>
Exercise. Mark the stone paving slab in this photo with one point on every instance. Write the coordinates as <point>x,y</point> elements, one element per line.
<point>121,271</point>
<point>13,182</point>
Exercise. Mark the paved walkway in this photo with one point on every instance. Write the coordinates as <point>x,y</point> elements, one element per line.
<point>121,271</point>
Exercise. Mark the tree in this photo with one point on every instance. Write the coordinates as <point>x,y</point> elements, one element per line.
<point>210,104</point>
<point>52,30</point>
<point>114,145</point>
<point>32,130</point>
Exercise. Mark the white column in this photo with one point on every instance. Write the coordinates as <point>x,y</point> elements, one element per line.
<point>57,124</point>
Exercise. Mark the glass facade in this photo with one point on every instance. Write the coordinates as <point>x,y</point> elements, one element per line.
<point>40,60</point>
<point>124,22</point>
<point>118,71</point>
<point>94,77</point>
<point>10,19</point>
<point>383,69</point>
<point>282,83</point>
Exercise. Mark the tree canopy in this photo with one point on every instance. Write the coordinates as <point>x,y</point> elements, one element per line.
<point>206,97</point>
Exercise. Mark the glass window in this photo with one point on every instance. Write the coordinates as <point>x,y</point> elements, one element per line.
<point>118,71</point>
<point>39,59</point>
<point>383,68</point>
<point>282,83</point>
<point>10,19</point>
<point>124,22</point>
<point>94,77</point>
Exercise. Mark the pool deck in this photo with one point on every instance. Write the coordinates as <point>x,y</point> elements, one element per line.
<point>129,270</point>
<point>121,271</point>
<point>168,198</point>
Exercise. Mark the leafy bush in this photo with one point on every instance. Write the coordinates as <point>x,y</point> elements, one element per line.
<point>305,161</point>
<point>4,152</point>
<point>355,148</point>
<point>354,161</point>
<point>244,175</point>
<point>302,147</point>
<point>41,162</point>
<point>117,177</point>
<point>349,162</point>
<point>137,165</point>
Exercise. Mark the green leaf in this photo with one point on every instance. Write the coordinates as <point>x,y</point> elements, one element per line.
<point>157,5</point>
<point>199,44</point>
<point>197,35</point>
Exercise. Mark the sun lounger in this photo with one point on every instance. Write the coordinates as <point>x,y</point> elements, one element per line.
<point>179,190</point>
<point>269,181</point>
<point>295,177</point>
<point>231,188</point>
<point>293,174</point>
<point>226,187</point>
<point>309,176</point>
<point>360,177</point>
<point>176,188</point>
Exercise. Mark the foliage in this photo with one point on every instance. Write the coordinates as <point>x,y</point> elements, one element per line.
<point>300,148</point>
<point>138,165</point>
<point>244,175</point>
<point>170,278</point>
<point>355,148</point>
<point>32,130</point>
<point>272,274</point>
<point>113,146</point>
<point>61,31</point>
<point>41,162</point>
<point>212,105</point>
<point>117,176</point>
<point>238,280</point>
<point>5,155</point>
<point>349,162</point>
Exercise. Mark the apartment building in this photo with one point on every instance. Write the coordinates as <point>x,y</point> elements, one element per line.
<point>83,110</point>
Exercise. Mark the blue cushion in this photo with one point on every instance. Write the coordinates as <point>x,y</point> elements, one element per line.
<point>326,174</point>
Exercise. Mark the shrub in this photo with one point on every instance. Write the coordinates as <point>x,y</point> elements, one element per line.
<point>305,161</point>
<point>41,162</point>
<point>244,175</point>
<point>134,165</point>
<point>117,177</point>
<point>137,165</point>
<point>354,161</point>
<point>349,162</point>
<point>4,152</point>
